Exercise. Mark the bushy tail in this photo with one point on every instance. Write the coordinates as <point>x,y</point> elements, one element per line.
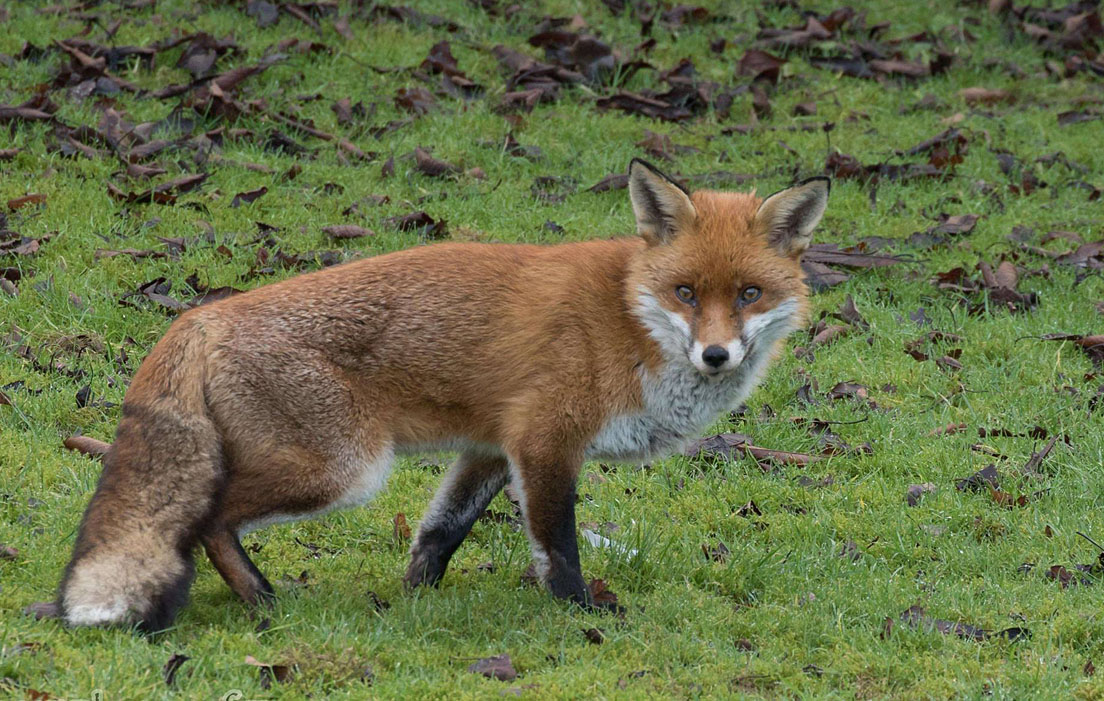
<point>132,563</point>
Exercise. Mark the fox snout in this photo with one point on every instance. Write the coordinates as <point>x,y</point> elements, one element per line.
<point>716,359</point>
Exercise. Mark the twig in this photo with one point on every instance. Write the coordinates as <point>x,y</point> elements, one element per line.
<point>1098,545</point>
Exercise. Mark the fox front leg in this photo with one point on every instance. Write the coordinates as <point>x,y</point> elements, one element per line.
<point>546,492</point>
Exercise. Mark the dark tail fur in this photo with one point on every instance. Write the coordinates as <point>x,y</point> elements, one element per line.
<point>133,563</point>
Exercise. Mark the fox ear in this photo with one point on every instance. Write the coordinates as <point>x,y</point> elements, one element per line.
<point>787,218</point>
<point>662,206</point>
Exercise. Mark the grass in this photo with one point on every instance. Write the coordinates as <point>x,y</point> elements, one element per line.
<point>784,615</point>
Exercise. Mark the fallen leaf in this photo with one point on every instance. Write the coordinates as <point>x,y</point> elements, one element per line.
<point>676,105</point>
<point>850,551</point>
<point>343,110</point>
<point>266,13</point>
<point>849,313</point>
<point>441,61</point>
<point>945,150</point>
<point>1092,346</point>
<point>551,189</point>
<point>420,222</point>
<point>84,394</point>
<point>820,277</point>
<point>400,529</point>
<point>601,596</point>
<point>497,667</point>
<point>760,65</point>
<point>1031,467</point>
<point>156,291</point>
<point>955,225</point>
<point>613,181</point>
<point>827,334</point>
<point>916,491</point>
<point>794,37</point>
<point>716,553</point>
<point>213,295</point>
<point>347,231</point>
<point>278,673</point>
<point>165,193</point>
<point>168,672</point>
<point>87,446</point>
<point>512,147</point>
<point>984,479</point>
<point>431,166</point>
<point>684,14</point>
<point>247,197</point>
<point>984,96</point>
<point>1076,117</point>
<point>1066,578</point>
<point>20,202</point>
<point>949,429</point>
<point>848,390</point>
<point>948,362</point>
<point>832,254</point>
<point>916,618</point>
<point>9,113</point>
<point>1007,500</point>
<point>415,100</point>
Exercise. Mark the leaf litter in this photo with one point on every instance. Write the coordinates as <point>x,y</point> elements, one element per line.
<point>917,618</point>
<point>841,42</point>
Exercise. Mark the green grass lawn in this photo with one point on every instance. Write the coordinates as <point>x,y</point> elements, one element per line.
<point>800,604</point>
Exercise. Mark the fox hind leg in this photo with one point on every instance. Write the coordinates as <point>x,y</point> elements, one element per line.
<point>469,486</point>
<point>227,555</point>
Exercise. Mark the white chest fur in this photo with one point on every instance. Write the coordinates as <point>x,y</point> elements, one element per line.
<point>679,402</point>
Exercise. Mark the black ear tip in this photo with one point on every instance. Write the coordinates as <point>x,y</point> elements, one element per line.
<point>642,163</point>
<point>818,178</point>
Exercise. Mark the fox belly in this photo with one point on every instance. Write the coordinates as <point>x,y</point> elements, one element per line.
<point>361,477</point>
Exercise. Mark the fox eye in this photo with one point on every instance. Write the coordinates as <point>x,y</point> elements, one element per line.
<point>750,294</point>
<point>685,294</point>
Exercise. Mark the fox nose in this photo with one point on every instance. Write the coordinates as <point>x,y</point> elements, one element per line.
<point>715,356</point>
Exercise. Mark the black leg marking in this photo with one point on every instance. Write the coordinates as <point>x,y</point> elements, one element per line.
<point>564,576</point>
<point>468,488</point>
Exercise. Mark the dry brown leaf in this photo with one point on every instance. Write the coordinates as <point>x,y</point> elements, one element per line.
<point>984,96</point>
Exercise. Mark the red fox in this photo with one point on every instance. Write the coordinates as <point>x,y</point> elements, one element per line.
<point>293,399</point>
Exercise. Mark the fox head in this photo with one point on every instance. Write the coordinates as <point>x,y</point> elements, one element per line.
<point>720,279</point>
